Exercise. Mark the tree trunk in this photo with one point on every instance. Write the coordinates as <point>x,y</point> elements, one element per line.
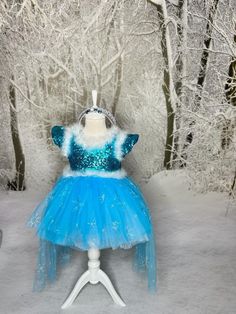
<point>119,71</point>
<point>166,86</point>
<point>180,66</point>
<point>202,72</point>
<point>230,86</point>
<point>18,183</point>
<point>205,55</point>
<point>230,93</point>
<point>233,184</point>
<point>104,51</point>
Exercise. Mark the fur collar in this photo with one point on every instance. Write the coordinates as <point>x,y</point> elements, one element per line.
<point>96,140</point>
<point>91,141</point>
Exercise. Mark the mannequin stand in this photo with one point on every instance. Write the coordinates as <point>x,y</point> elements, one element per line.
<point>93,275</point>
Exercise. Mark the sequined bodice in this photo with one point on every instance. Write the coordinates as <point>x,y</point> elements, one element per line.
<point>103,158</point>
<point>96,159</point>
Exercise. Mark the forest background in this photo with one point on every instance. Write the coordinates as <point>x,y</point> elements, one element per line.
<point>166,70</point>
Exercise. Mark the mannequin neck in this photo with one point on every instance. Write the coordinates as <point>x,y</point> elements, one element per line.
<point>95,126</point>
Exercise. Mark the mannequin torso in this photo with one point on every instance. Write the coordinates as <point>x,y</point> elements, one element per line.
<point>95,127</point>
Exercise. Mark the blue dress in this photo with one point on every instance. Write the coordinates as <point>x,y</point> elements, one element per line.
<point>93,203</point>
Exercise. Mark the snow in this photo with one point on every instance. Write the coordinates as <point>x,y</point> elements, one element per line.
<point>196,245</point>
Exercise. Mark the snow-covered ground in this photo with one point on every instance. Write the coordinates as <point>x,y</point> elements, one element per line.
<point>196,246</point>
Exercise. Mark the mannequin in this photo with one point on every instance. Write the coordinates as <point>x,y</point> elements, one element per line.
<point>94,126</point>
<point>93,205</point>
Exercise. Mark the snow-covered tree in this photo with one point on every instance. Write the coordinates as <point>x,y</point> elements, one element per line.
<point>150,62</point>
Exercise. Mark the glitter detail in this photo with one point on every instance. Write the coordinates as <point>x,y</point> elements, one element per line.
<point>58,134</point>
<point>130,141</point>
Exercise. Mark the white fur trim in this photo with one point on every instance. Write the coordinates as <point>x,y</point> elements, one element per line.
<point>86,141</point>
<point>66,142</point>
<point>93,141</point>
<point>119,142</point>
<point>121,173</point>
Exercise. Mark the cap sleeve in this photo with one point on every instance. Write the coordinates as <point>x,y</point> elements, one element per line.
<point>130,141</point>
<point>125,143</point>
<point>58,134</point>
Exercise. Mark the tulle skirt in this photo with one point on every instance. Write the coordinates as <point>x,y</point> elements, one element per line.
<point>81,212</point>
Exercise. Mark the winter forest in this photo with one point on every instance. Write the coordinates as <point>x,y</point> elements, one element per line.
<point>166,69</point>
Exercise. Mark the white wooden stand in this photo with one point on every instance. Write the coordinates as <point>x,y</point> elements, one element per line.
<point>93,275</point>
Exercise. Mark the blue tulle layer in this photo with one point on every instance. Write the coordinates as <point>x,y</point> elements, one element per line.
<point>90,211</point>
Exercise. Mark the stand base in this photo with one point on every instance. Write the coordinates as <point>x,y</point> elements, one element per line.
<point>93,275</point>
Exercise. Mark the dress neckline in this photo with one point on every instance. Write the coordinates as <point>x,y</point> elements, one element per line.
<point>94,141</point>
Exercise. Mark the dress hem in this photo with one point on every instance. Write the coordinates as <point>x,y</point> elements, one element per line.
<point>127,246</point>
